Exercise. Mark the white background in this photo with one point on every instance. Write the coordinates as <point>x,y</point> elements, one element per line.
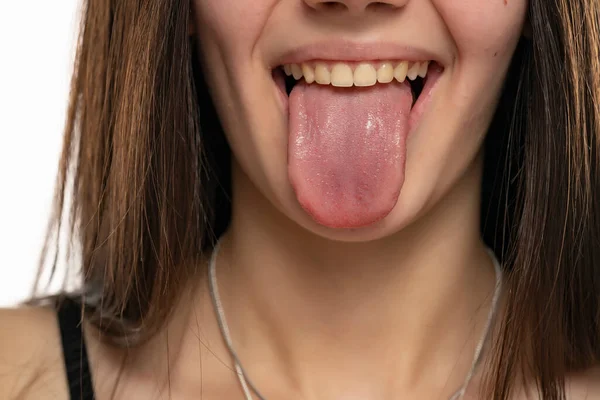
<point>37,39</point>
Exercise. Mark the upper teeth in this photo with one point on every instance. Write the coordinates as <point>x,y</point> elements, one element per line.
<point>363,74</point>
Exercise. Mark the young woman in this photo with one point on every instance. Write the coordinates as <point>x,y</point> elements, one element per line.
<point>307,199</point>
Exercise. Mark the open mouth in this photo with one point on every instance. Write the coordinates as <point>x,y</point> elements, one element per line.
<point>348,126</point>
<point>363,74</point>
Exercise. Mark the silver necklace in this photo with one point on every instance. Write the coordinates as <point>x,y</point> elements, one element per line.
<point>247,385</point>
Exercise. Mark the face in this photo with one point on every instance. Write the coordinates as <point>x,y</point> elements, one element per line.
<point>361,146</point>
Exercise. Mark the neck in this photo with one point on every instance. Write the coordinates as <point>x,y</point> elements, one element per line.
<point>408,309</point>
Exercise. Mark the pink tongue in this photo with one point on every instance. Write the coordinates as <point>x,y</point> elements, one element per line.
<point>347,148</point>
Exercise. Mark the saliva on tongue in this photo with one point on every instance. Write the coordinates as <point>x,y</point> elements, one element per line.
<point>347,149</point>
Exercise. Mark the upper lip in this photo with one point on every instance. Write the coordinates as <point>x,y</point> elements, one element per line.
<point>345,50</point>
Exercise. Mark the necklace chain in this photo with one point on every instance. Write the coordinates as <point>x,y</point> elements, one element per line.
<point>247,385</point>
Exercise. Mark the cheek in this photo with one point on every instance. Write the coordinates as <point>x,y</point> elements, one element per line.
<point>484,33</point>
<point>227,33</point>
<point>232,25</point>
<point>483,27</point>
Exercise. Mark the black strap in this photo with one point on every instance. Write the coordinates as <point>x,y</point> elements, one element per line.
<point>75,356</point>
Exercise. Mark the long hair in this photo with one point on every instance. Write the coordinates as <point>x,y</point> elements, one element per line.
<point>147,166</point>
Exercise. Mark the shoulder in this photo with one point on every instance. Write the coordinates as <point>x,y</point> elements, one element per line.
<point>30,354</point>
<point>578,386</point>
<point>585,385</point>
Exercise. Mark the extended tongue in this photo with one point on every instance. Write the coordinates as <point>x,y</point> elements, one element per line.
<point>346,152</point>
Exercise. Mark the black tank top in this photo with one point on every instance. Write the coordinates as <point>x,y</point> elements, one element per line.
<point>79,378</point>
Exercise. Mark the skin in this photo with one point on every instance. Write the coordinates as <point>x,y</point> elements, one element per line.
<point>241,40</point>
<point>361,297</point>
<point>393,309</point>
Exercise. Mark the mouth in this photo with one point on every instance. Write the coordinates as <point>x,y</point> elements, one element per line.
<point>420,75</point>
<point>348,125</point>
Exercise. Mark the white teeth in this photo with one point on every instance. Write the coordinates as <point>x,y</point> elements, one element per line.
<point>341,75</point>
<point>413,71</point>
<point>309,74</point>
<point>400,71</point>
<point>423,69</point>
<point>385,73</point>
<point>322,75</point>
<point>296,71</point>
<point>364,74</point>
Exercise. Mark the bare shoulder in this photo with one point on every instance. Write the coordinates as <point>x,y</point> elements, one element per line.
<point>585,385</point>
<point>581,386</point>
<point>30,354</point>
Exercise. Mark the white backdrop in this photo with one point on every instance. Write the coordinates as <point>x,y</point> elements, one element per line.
<point>37,39</point>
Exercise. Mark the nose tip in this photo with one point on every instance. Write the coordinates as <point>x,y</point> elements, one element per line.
<point>354,6</point>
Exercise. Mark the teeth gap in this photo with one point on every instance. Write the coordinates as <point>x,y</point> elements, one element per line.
<point>290,82</point>
<point>417,87</point>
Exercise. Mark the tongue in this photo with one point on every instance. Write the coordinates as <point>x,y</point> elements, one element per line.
<point>347,148</point>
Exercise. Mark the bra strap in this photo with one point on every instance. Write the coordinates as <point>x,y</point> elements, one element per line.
<point>79,378</point>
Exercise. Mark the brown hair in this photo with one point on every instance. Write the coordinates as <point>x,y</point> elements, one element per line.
<point>148,167</point>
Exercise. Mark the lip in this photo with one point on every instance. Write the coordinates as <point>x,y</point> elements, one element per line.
<point>345,50</point>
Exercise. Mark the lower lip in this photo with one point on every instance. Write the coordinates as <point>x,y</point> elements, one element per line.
<point>416,113</point>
